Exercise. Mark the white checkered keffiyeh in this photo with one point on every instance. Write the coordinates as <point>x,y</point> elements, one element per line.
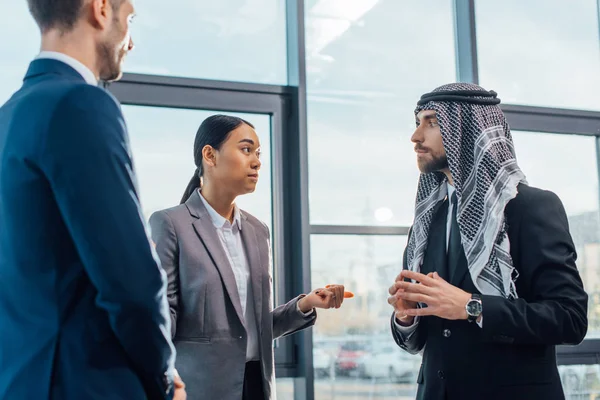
<point>482,161</point>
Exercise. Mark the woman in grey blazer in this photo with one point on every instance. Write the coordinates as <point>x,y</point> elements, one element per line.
<point>218,262</point>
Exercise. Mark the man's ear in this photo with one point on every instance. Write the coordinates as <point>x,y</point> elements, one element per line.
<point>99,13</point>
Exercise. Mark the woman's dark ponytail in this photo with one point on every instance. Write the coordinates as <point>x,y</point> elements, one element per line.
<point>192,185</point>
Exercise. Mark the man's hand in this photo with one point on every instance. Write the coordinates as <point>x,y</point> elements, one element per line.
<point>332,296</point>
<point>180,393</point>
<point>399,304</point>
<point>443,299</point>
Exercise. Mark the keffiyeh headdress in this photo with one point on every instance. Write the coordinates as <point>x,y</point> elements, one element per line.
<point>482,161</point>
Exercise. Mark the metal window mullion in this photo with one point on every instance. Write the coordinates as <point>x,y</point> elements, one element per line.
<point>465,37</point>
<point>297,215</point>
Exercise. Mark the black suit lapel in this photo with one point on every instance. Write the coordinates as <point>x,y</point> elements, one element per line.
<point>459,270</point>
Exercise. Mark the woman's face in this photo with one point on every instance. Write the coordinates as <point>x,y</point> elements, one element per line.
<point>237,162</point>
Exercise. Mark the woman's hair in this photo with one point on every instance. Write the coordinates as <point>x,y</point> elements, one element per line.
<point>213,132</point>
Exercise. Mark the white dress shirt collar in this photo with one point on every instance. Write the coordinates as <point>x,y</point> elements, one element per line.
<point>449,215</point>
<point>84,71</point>
<point>450,190</point>
<point>217,219</point>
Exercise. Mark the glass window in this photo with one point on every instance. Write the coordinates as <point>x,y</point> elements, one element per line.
<point>566,165</point>
<point>225,40</point>
<point>540,52</point>
<point>354,354</point>
<point>285,388</point>
<point>580,381</point>
<point>162,142</point>
<point>366,69</point>
<point>19,46</point>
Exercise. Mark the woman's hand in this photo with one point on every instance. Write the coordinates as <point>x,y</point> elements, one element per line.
<point>332,296</point>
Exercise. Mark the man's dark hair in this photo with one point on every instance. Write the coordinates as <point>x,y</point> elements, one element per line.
<point>62,14</point>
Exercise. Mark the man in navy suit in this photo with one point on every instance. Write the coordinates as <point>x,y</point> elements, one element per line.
<point>83,309</point>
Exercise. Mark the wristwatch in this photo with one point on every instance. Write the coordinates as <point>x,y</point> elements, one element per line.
<point>474,308</point>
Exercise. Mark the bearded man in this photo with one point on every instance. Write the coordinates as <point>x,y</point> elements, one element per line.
<point>489,285</point>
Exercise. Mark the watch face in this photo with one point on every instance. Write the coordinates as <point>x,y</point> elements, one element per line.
<point>474,308</point>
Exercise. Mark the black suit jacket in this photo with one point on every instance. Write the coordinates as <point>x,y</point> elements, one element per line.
<point>513,355</point>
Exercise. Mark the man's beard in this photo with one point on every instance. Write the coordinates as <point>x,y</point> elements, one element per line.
<point>437,163</point>
<point>110,56</point>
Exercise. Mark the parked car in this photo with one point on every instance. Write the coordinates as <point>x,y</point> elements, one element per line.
<point>322,362</point>
<point>347,361</point>
<point>388,361</point>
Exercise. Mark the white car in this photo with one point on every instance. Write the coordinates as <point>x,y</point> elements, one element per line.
<point>322,362</point>
<point>390,362</point>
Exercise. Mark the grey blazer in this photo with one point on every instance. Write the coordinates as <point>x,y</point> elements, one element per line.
<point>208,327</point>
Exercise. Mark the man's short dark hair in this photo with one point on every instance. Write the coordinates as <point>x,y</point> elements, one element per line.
<point>62,14</point>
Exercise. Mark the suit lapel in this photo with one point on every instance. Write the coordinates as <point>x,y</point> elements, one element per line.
<point>462,277</point>
<point>459,270</point>
<point>255,265</point>
<point>208,236</point>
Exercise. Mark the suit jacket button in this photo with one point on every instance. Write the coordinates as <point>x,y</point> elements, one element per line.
<point>441,374</point>
<point>447,333</point>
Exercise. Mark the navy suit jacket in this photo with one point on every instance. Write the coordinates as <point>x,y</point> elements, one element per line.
<point>83,308</point>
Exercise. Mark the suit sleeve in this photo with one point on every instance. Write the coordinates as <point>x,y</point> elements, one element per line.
<point>165,238</point>
<point>287,318</point>
<point>555,312</point>
<point>411,339</point>
<point>85,157</point>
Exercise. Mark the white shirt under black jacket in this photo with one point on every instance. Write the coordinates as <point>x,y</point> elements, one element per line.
<point>407,331</point>
<point>231,240</point>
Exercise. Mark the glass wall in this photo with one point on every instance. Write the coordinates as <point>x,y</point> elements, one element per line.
<point>228,40</point>
<point>354,355</point>
<point>19,45</point>
<point>580,382</point>
<point>540,52</point>
<point>365,70</point>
